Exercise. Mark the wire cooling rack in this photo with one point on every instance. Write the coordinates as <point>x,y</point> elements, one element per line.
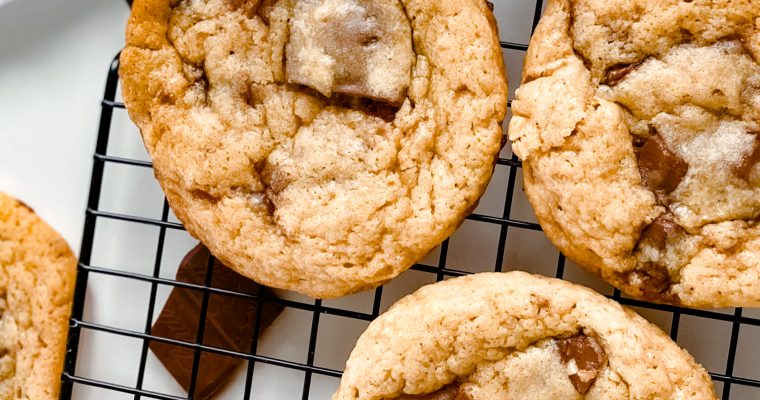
<point>303,355</point>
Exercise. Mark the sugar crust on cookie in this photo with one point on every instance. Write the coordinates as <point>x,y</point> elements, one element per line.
<point>500,336</point>
<point>638,124</point>
<point>325,196</point>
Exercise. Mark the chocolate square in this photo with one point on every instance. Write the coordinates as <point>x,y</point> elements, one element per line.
<point>230,323</point>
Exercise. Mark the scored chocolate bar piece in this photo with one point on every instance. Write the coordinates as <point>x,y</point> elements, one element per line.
<point>230,323</point>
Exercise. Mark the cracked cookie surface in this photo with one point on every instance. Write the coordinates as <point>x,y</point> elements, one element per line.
<point>296,169</point>
<point>516,336</point>
<point>639,126</point>
<point>37,273</point>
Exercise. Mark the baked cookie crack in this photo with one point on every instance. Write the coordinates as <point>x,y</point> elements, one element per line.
<point>676,90</point>
<point>338,120</point>
<point>432,345</point>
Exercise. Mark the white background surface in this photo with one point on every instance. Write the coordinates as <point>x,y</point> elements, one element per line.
<point>53,59</point>
<point>54,56</point>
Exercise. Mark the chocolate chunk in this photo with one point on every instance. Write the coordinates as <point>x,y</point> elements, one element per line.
<point>588,356</point>
<point>653,281</point>
<point>447,393</point>
<point>385,111</point>
<point>350,44</point>
<point>619,72</point>
<point>661,169</point>
<point>360,48</point>
<point>230,323</point>
<point>204,195</point>
<point>657,233</point>
<point>275,179</point>
<point>744,169</point>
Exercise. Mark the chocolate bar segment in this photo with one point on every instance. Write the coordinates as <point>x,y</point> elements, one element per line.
<point>588,358</point>
<point>230,323</point>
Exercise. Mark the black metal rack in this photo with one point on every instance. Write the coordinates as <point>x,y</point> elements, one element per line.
<point>506,223</point>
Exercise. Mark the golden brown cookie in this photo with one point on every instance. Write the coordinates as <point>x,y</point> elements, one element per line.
<point>516,336</point>
<point>639,126</point>
<point>37,272</point>
<point>321,146</point>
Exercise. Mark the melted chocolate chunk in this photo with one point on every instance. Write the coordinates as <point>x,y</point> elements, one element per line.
<point>744,169</point>
<point>589,358</point>
<point>385,111</point>
<point>274,178</point>
<point>354,35</point>
<point>657,233</point>
<point>447,393</point>
<point>653,281</point>
<point>230,323</point>
<point>661,169</point>
<point>619,72</point>
<point>360,43</point>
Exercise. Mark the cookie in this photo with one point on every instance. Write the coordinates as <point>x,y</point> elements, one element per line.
<point>516,336</point>
<point>638,123</point>
<point>37,273</point>
<point>321,146</point>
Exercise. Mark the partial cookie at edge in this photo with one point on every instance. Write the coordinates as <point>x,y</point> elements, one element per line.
<point>467,335</point>
<point>586,132</point>
<point>37,280</point>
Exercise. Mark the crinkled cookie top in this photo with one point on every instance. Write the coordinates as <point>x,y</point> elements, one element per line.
<point>516,336</point>
<point>658,134</point>
<point>321,146</point>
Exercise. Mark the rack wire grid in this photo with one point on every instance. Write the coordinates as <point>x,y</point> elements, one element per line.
<point>130,253</point>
